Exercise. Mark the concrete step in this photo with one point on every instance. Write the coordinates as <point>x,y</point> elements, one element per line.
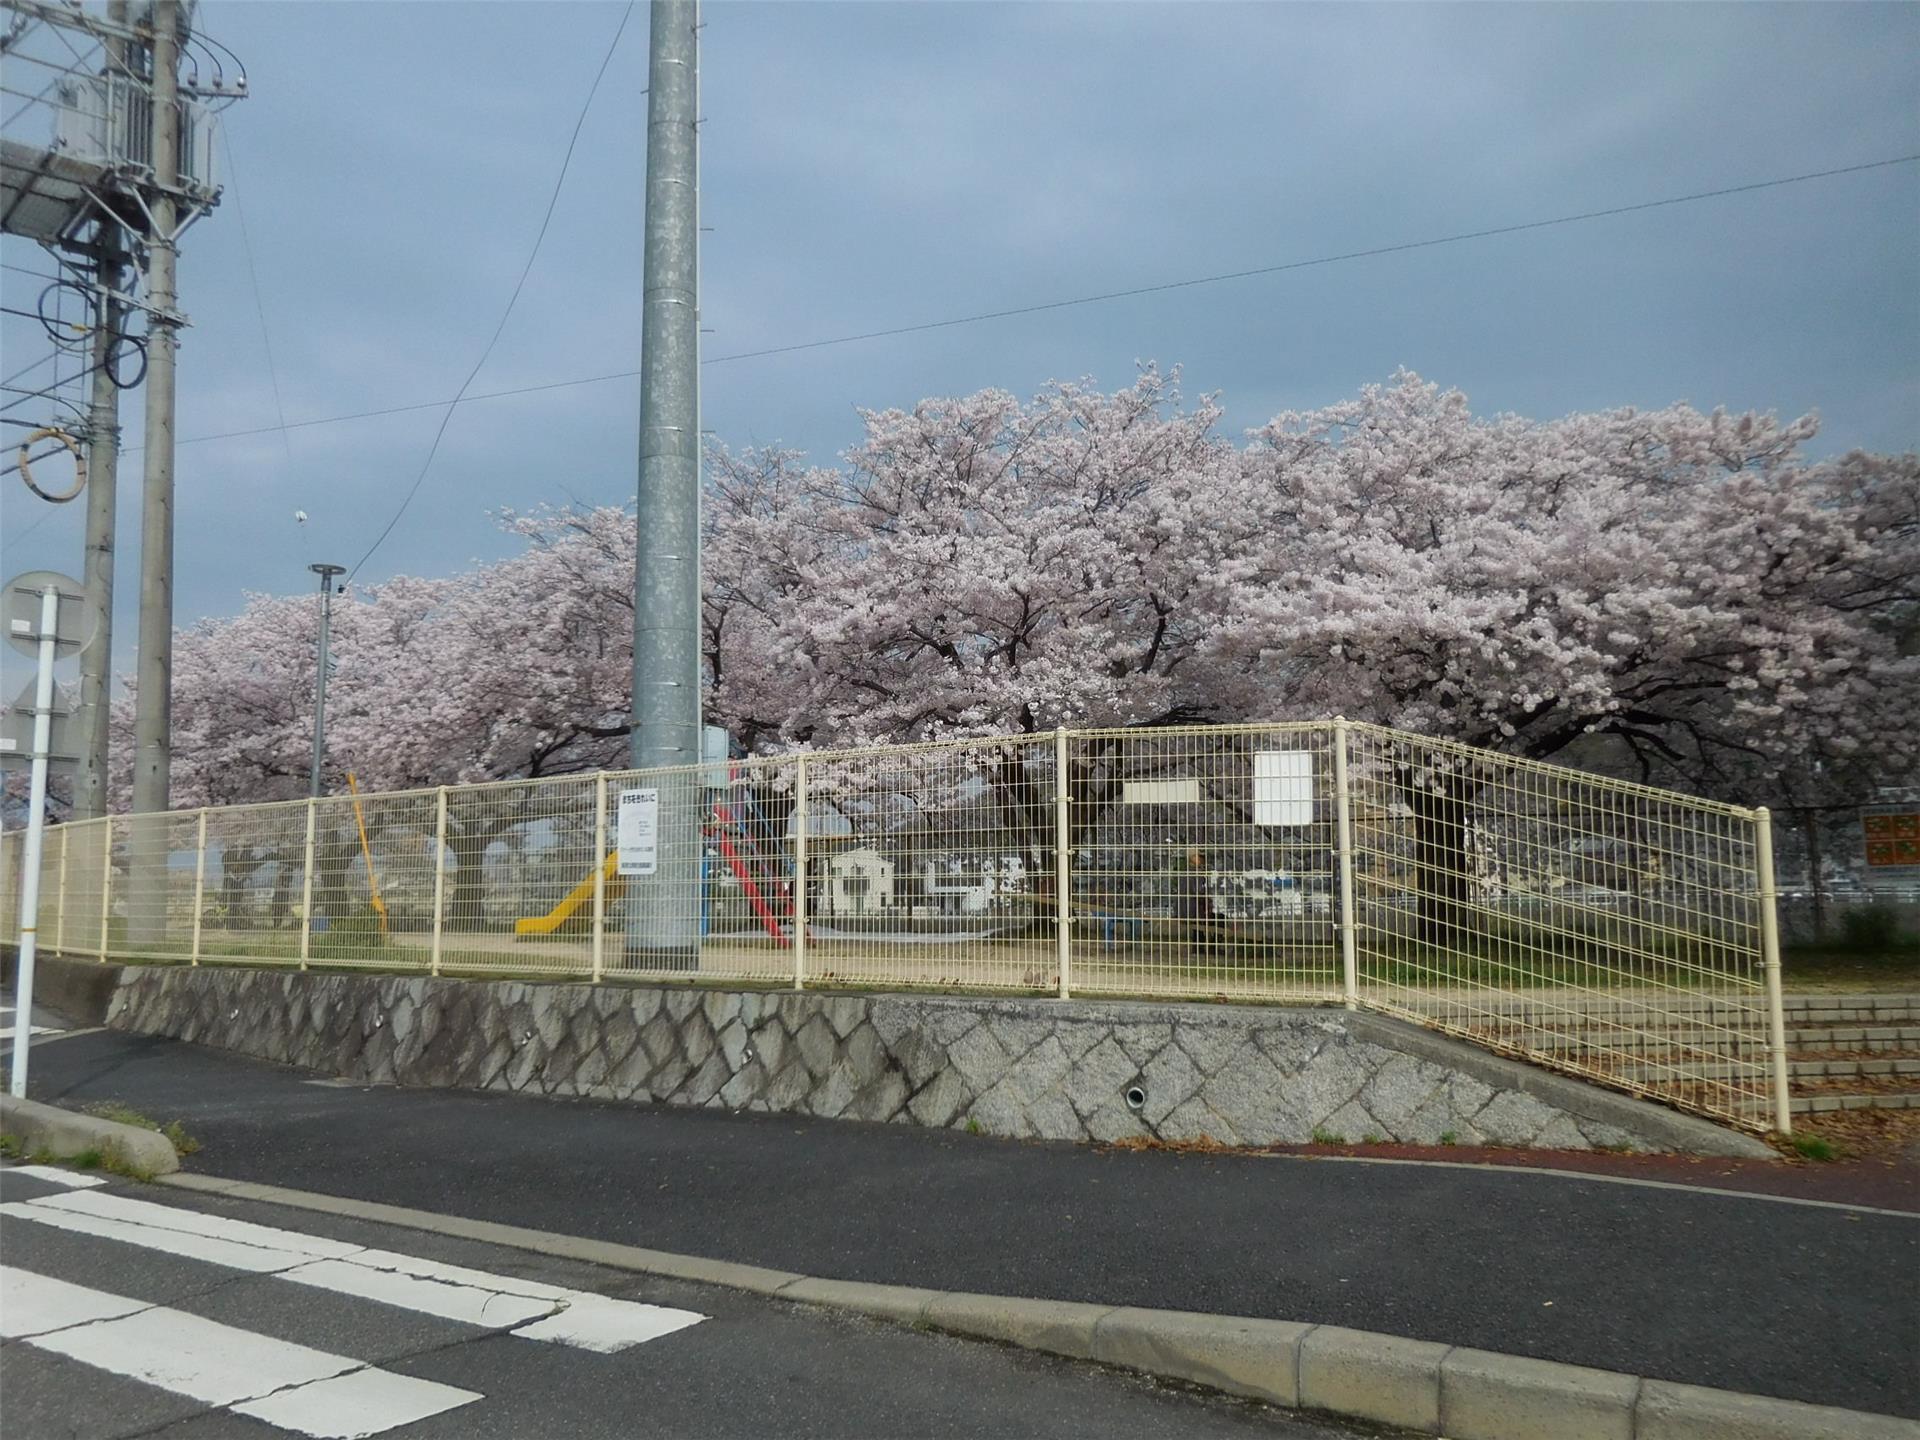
<point>1894,1064</point>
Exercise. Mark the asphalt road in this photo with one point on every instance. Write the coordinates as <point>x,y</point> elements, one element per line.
<point>1809,1302</point>
<point>148,1333</point>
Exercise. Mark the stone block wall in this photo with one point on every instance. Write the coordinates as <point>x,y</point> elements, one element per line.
<point>1045,1069</point>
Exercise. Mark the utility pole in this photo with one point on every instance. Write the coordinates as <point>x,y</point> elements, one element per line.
<point>663,906</point>
<point>326,574</point>
<point>153,701</point>
<point>103,490</point>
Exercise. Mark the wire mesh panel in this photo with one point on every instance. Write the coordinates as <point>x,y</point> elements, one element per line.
<point>155,900</point>
<point>369,852</point>
<point>743,883</point>
<point>254,894</point>
<point>933,865</point>
<point>1593,925</point>
<point>83,875</point>
<point>13,852</point>
<point>1203,862</point>
<point>517,894</point>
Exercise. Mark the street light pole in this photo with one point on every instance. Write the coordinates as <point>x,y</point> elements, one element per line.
<point>326,574</point>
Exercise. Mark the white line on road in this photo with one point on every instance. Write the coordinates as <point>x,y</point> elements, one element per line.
<point>72,1179</point>
<point>576,1318</point>
<point>6,1024</point>
<point>288,1385</point>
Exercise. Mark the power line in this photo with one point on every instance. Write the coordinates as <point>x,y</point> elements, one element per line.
<point>1081,300</point>
<point>259,305</point>
<point>553,200</point>
<point>1321,260</point>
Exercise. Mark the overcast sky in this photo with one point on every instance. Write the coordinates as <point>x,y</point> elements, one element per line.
<point>874,165</point>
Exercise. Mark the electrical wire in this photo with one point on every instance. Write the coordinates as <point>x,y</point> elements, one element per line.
<point>259,305</point>
<point>553,200</point>
<point>1282,268</point>
<point>1081,300</point>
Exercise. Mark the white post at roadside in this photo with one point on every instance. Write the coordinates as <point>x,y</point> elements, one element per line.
<point>800,873</point>
<point>1062,877</point>
<point>1343,826</point>
<point>599,943</point>
<point>306,891</point>
<point>36,839</point>
<point>199,882</point>
<point>1770,958</point>
<point>439,875</point>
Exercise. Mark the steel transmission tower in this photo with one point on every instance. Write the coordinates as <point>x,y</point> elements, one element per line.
<point>663,911</point>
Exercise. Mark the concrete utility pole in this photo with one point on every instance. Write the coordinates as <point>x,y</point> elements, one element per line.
<point>326,574</point>
<point>153,702</point>
<point>103,486</point>
<point>663,908</point>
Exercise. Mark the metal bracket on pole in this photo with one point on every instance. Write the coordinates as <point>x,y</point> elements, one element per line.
<point>1062,872</point>
<point>1770,958</point>
<point>800,823</point>
<point>199,882</point>
<point>306,890</point>
<point>1343,824</point>
<point>599,942</point>
<point>439,876</point>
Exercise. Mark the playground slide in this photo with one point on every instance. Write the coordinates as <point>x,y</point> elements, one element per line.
<point>581,894</point>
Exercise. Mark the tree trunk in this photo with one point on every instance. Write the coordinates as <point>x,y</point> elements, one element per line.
<point>466,891</point>
<point>1810,822</point>
<point>1443,868</point>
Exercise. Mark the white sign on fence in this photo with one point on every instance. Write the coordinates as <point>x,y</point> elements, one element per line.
<point>639,832</point>
<point>1282,787</point>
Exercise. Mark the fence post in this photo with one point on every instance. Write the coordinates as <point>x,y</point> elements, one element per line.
<point>306,890</point>
<point>599,942</point>
<point>199,883</point>
<point>1770,957</point>
<point>106,885</point>
<point>1062,875</point>
<point>1343,826</point>
<point>439,876</point>
<point>60,894</point>
<point>800,873</point>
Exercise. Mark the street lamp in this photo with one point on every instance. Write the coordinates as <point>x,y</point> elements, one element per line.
<point>326,574</point>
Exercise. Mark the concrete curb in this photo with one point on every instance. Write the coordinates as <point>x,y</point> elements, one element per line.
<point>67,1133</point>
<point>1437,1389</point>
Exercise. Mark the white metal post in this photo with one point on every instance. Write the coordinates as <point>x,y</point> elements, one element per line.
<point>36,838</point>
<point>1770,957</point>
<point>306,891</point>
<point>599,943</point>
<point>800,873</point>
<point>1343,826</point>
<point>106,884</point>
<point>60,898</point>
<point>439,875</point>
<point>199,882</point>
<point>1062,876</point>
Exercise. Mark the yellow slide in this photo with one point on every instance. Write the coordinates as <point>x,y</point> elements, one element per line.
<point>581,894</point>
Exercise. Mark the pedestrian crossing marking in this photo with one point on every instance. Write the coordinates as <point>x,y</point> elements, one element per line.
<point>53,1175</point>
<point>525,1308</point>
<point>312,1392</point>
<point>6,1025</point>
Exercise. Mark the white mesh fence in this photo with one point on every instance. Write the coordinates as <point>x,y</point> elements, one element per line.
<point>1602,928</point>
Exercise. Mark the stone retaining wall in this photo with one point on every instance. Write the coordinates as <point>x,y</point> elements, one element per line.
<point>1055,1070</point>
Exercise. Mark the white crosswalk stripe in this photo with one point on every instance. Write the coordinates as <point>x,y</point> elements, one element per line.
<point>452,1292</point>
<point>271,1378</point>
<point>6,1025</point>
<point>291,1386</point>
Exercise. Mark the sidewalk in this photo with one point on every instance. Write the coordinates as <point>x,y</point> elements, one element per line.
<point>1808,1302</point>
